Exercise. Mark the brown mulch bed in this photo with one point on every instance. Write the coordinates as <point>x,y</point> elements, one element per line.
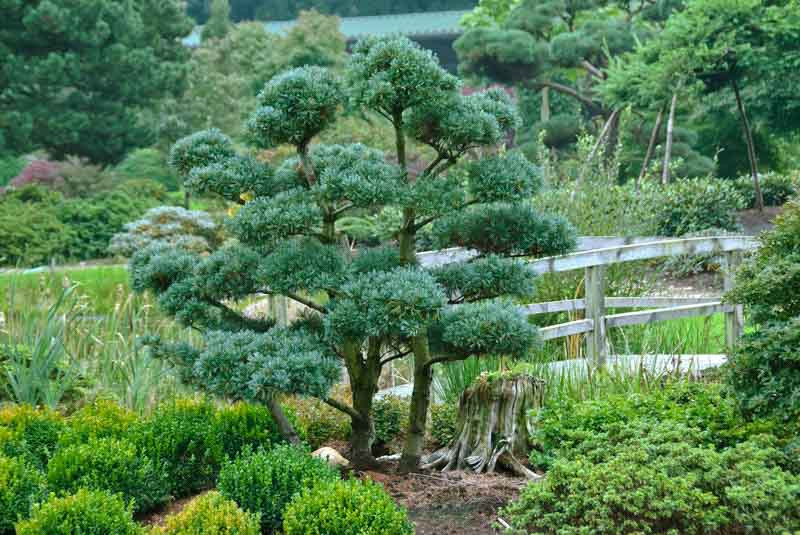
<point>457,503</point>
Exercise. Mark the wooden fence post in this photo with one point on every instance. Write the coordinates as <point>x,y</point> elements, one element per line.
<point>734,320</point>
<point>596,345</point>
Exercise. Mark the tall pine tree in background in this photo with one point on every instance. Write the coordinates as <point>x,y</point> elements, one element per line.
<point>364,306</point>
<point>75,75</point>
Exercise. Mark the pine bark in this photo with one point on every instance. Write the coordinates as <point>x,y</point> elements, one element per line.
<point>650,147</point>
<point>418,409</point>
<point>751,148</point>
<point>668,146</point>
<point>285,427</point>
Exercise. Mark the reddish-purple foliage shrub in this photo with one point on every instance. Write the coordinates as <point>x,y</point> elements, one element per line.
<point>42,172</point>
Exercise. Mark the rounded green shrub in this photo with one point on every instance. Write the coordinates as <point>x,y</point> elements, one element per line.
<point>112,465</point>
<point>764,371</point>
<point>776,188</point>
<point>87,512</point>
<point>21,486</point>
<point>102,419</point>
<point>444,422</point>
<point>148,164</point>
<point>29,433</point>
<point>32,234</point>
<point>318,422</point>
<point>346,508</point>
<point>245,424</point>
<point>266,480</point>
<point>210,514</point>
<point>694,205</point>
<point>181,438</point>
<point>389,414</point>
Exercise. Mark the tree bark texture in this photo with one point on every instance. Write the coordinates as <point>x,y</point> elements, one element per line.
<point>650,147</point>
<point>668,146</point>
<point>420,401</point>
<point>492,427</point>
<point>751,148</point>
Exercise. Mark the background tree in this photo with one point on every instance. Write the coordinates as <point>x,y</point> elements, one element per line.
<point>225,75</point>
<point>364,306</point>
<point>73,77</point>
<point>714,50</point>
<point>219,21</point>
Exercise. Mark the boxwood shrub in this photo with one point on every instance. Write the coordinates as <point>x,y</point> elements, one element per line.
<point>29,433</point>
<point>245,424</point>
<point>21,486</point>
<point>87,512</point>
<point>181,438</point>
<point>346,508</point>
<point>265,481</point>
<point>210,514</point>
<point>109,464</point>
<point>101,419</point>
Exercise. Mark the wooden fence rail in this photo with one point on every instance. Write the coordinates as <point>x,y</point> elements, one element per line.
<point>593,255</point>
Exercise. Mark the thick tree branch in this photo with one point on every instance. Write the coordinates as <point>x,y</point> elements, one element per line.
<point>588,102</point>
<point>307,302</point>
<point>347,409</point>
<point>396,356</point>
<point>593,70</point>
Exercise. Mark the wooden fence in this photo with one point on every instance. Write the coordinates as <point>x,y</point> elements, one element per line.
<point>595,253</point>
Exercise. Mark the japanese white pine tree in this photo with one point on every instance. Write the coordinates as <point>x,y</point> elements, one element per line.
<point>365,306</point>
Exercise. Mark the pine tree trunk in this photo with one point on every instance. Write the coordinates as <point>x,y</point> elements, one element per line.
<point>418,410</point>
<point>751,148</point>
<point>492,427</point>
<point>668,146</point>
<point>603,133</point>
<point>545,111</point>
<point>363,375</point>
<point>650,147</point>
<point>285,427</point>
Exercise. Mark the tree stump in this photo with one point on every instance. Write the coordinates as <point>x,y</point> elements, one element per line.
<point>492,426</point>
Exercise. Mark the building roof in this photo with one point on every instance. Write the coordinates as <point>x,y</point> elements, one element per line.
<point>410,24</point>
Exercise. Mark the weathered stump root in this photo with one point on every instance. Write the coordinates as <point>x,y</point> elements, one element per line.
<point>492,427</point>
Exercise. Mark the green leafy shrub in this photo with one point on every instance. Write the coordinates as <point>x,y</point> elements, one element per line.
<point>29,433</point>
<point>94,220</point>
<point>775,188</point>
<point>346,508</point>
<point>768,283</point>
<point>181,438</point>
<point>566,427</point>
<point>149,164</point>
<point>101,419</point>
<point>83,179</point>
<point>244,424</point>
<point>31,234</point>
<point>21,486</point>
<point>110,464</point>
<point>211,513</point>
<point>764,371</point>
<point>694,205</point>
<point>265,481</point>
<point>444,421</point>
<point>317,422</point>
<point>389,414</point>
<point>87,512</point>
<point>10,166</point>
<point>659,478</point>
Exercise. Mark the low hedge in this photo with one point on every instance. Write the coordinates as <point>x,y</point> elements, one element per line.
<point>21,486</point>
<point>265,481</point>
<point>210,514</point>
<point>87,512</point>
<point>349,507</point>
<point>109,464</point>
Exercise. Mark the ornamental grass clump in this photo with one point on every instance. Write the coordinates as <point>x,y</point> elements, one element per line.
<point>364,303</point>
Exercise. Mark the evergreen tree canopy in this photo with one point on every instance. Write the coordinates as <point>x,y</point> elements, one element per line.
<point>364,306</point>
<point>74,75</point>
